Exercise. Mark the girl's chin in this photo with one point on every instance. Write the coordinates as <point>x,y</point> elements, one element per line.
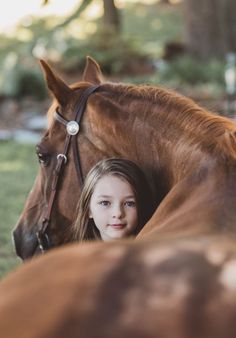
<point>115,235</point>
<point>119,234</point>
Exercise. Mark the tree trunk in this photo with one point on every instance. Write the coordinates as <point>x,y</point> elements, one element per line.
<point>210,27</point>
<point>111,16</point>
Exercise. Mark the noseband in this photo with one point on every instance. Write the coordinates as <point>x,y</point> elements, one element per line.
<point>72,128</point>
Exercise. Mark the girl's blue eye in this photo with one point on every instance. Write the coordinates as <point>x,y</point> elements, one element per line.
<point>130,203</point>
<point>104,203</point>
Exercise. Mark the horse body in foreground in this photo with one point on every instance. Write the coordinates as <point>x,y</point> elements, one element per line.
<point>187,154</point>
<point>150,288</point>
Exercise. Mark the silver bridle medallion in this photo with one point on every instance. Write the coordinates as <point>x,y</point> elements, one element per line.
<point>72,128</point>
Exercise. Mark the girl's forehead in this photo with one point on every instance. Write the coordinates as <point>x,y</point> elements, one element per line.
<point>106,178</point>
<point>112,183</point>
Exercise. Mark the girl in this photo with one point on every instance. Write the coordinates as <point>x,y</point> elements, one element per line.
<point>116,201</point>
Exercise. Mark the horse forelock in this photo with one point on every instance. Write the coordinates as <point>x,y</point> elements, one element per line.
<point>50,113</point>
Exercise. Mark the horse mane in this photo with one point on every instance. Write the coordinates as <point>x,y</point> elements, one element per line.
<point>212,132</point>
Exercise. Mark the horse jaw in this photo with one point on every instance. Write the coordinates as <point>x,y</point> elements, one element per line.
<point>92,72</point>
<point>60,90</point>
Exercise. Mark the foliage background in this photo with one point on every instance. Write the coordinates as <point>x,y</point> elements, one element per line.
<point>147,29</point>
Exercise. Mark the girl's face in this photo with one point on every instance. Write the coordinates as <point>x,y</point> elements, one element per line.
<point>113,207</point>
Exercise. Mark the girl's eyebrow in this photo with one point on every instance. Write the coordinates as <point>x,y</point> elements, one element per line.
<point>109,196</point>
<point>103,196</point>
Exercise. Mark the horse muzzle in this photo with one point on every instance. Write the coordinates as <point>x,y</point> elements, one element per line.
<point>26,243</point>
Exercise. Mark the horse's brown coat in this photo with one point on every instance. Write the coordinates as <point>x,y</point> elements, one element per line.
<point>187,153</point>
<point>173,289</point>
<point>158,285</point>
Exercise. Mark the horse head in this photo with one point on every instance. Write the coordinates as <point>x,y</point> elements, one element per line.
<point>57,172</point>
<point>106,130</point>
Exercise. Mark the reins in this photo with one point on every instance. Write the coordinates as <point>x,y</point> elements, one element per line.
<point>72,128</point>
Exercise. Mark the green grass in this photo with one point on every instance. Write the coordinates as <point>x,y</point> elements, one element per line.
<point>18,167</point>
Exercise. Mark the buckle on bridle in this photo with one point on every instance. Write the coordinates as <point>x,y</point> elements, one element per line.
<point>62,156</point>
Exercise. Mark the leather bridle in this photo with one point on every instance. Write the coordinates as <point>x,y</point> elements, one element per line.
<point>72,128</point>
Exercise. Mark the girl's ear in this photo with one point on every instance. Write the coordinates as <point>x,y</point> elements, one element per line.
<point>90,215</point>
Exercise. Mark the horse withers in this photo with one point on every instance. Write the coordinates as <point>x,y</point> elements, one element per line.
<point>187,153</point>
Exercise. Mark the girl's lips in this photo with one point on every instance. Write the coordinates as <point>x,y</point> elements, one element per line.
<point>118,226</point>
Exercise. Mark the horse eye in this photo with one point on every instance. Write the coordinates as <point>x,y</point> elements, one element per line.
<point>42,157</point>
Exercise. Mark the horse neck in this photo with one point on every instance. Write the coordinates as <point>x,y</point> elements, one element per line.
<point>190,139</point>
<point>165,133</point>
<point>209,195</point>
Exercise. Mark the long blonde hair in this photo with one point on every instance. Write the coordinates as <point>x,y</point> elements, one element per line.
<point>84,227</point>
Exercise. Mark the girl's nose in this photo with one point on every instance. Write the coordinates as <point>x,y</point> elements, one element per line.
<point>117,211</point>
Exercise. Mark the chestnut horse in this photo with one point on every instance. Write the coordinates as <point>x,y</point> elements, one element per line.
<point>187,153</point>
<point>160,285</point>
<point>137,289</point>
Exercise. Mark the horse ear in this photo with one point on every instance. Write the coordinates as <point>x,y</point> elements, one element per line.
<point>55,84</point>
<point>92,72</point>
